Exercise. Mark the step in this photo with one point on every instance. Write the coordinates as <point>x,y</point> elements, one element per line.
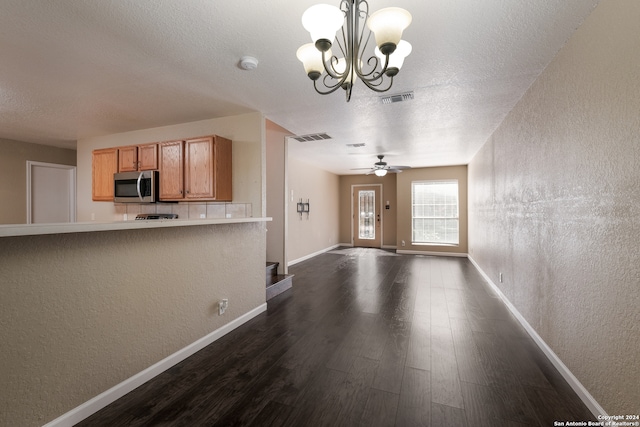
<point>281,283</point>
<point>272,270</point>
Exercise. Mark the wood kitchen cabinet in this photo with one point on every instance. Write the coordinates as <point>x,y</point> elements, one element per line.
<point>171,166</point>
<point>138,158</point>
<point>196,169</point>
<point>104,163</point>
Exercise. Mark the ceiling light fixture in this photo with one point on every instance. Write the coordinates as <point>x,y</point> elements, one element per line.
<point>380,172</point>
<point>323,21</point>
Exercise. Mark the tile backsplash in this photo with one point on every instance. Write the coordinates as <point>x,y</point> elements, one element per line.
<point>187,210</point>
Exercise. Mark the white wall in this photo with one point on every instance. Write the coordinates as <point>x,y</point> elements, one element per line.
<point>309,234</point>
<point>246,131</point>
<point>276,153</point>
<point>554,204</point>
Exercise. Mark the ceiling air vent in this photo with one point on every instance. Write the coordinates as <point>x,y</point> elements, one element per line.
<point>358,145</point>
<point>311,137</point>
<point>399,97</point>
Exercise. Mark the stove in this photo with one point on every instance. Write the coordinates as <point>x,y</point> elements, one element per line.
<point>156,216</point>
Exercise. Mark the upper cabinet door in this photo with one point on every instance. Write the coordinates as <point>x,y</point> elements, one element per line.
<point>148,157</point>
<point>138,158</point>
<point>171,163</point>
<point>223,175</point>
<point>128,159</point>
<point>104,165</point>
<point>199,168</point>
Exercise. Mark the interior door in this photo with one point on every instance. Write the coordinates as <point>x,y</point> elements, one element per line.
<point>51,193</point>
<point>366,216</point>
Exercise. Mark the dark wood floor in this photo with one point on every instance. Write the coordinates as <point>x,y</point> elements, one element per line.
<point>365,338</point>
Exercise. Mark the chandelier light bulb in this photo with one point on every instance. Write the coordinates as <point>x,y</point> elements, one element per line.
<point>311,59</point>
<point>387,26</point>
<point>396,59</point>
<point>323,21</point>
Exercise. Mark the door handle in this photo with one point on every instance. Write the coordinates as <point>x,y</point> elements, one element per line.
<point>138,186</point>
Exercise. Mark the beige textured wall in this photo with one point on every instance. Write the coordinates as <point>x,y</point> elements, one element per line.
<point>404,206</point>
<point>82,312</point>
<point>554,204</point>
<point>13,174</point>
<point>389,217</point>
<point>246,131</point>
<point>276,156</point>
<point>319,230</point>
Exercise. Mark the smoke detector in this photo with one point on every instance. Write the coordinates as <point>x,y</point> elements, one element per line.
<point>248,63</point>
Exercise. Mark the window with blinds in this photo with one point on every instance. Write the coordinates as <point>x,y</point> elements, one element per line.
<point>434,212</point>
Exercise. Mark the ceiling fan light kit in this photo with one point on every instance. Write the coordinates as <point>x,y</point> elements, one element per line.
<point>323,21</point>
<point>380,168</point>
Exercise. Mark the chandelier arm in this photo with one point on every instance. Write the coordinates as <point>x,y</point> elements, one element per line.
<point>351,53</point>
<point>330,69</point>
<point>365,76</point>
<point>360,48</point>
<point>375,88</point>
<point>375,75</point>
<point>330,89</point>
<point>362,13</point>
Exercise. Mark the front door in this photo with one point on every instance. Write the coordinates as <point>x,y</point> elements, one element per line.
<point>366,216</point>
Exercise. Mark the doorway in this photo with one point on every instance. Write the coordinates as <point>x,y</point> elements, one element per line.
<point>367,211</point>
<point>51,193</point>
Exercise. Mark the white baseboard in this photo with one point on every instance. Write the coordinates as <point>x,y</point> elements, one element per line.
<point>431,253</point>
<point>575,384</point>
<point>306,257</point>
<point>92,406</point>
<point>350,245</point>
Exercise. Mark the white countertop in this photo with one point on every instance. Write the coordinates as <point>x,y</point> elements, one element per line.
<point>85,227</point>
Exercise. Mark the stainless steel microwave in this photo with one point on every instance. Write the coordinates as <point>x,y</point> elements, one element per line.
<point>135,187</point>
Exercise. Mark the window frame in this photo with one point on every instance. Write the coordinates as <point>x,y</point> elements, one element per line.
<point>433,217</point>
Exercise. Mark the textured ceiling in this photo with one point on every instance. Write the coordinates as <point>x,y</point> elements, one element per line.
<point>71,69</point>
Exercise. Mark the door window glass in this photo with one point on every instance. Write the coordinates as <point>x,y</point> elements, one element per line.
<point>366,214</point>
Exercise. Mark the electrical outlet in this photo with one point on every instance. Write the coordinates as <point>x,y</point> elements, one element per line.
<point>222,306</point>
<point>403,243</point>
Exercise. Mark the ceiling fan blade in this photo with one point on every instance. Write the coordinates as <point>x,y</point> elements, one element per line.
<point>400,167</point>
<point>394,170</point>
<point>358,169</point>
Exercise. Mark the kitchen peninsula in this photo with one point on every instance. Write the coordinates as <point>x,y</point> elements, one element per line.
<point>12,230</point>
<point>90,311</point>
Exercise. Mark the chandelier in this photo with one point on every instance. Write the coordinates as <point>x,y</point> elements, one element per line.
<point>377,72</point>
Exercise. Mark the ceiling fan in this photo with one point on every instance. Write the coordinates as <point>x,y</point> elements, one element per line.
<point>380,168</point>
